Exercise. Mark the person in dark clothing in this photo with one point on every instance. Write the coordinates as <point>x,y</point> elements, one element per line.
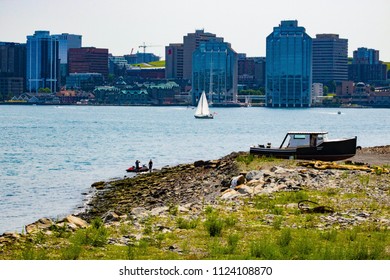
<point>150,165</point>
<point>137,164</point>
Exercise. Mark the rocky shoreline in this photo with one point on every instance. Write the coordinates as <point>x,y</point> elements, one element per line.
<point>191,187</point>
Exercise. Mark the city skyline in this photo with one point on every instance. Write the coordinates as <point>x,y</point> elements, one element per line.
<point>122,26</point>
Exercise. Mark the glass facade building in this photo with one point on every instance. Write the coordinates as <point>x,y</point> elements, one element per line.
<point>43,63</point>
<point>214,70</point>
<point>12,69</point>
<point>288,66</point>
<point>65,42</point>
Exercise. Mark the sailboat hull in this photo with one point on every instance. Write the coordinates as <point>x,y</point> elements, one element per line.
<point>204,117</point>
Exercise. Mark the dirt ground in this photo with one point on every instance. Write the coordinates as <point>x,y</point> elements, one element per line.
<point>379,155</point>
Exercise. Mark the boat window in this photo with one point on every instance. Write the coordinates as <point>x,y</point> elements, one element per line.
<point>297,140</point>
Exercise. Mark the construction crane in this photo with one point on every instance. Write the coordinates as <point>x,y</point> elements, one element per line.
<point>144,46</point>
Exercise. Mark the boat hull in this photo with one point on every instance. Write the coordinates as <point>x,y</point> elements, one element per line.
<point>204,117</point>
<point>327,151</point>
<point>141,169</point>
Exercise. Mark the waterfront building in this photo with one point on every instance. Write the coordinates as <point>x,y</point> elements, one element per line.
<point>117,65</point>
<point>88,60</point>
<point>12,69</point>
<point>317,92</point>
<point>251,72</point>
<point>365,56</point>
<point>178,57</point>
<point>366,67</point>
<point>174,61</point>
<point>65,42</point>
<point>141,58</point>
<point>84,81</point>
<point>43,63</point>
<point>330,59</point>
<point>214,70</point>
<point>288,66</point>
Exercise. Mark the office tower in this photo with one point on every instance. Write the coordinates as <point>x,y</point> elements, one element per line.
<point>43,63</point>
<point>214,70</point>
<point>65,42</point>
<point>178,57</point>
<point>288,66</point>
<point>174,61</point>
<point>251,71</point>
<point>12,69</point>
<point>88,60</point>
<point>330,59</point>
<point>366,67</point>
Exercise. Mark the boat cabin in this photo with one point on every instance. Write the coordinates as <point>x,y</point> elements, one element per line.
<point>303,139</point>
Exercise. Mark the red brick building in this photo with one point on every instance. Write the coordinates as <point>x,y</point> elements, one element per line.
<point>88,60</point>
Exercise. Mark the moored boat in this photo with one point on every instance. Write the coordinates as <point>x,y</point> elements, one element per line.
<point>309,145</point>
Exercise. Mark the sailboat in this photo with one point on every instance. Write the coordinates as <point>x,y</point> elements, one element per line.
<point>202,111</point>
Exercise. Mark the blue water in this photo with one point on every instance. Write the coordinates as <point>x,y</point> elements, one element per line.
<point>50,155</point>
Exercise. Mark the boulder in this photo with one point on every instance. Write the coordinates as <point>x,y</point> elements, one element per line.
<point>110,216</point>
<point>73,220</point>
<point>98,185</point>
<point>229,194</point>
<point>159,210</point>
<point>237,180</point>
<point>254,175</point>
<point>244,190</point>
<point>41,224</point>
<point>139,213</point>
<point>199,163</point>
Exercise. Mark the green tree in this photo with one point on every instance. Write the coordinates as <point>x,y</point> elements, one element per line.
<point>326,90</point>
<point>44,90</point>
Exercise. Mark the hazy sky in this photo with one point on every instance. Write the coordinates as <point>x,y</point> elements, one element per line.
<point>121,25</point>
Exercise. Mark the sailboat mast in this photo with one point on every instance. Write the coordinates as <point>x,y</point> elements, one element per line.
<point>211,76</point>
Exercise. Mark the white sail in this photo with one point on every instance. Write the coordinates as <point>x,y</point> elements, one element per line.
<point>202,111</point>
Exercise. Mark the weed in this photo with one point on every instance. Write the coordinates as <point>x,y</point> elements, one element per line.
<point>247,159</point>
<point>214,225</point>
<point>332,192</point>
<point>209,210</point>
<point>232,242</point>
<point>230,221</point>
<point>60,231</point>
<point>131,251</point>
<point>304,245</point>
<point>159,239</point>
<point>96,235</point>
<point>277,223</point>
<point>329,235</point>
<point>277,211</point>
<point>364,180</point>
<point>71,252</point>
<point>173,209</point>
<point>352,234</point>
<point>285,238</point>
<point>344,175</point>
<point>187,224</point>
<point>264,249</point>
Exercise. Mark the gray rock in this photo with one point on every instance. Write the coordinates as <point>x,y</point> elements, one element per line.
<point>236,181</point>
<point>254,175</point>
<point>110,216</point>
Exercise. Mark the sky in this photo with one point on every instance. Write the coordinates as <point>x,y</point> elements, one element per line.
<point>123,25</point>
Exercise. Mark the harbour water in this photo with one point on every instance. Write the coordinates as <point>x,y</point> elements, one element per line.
<point>50,155</point>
